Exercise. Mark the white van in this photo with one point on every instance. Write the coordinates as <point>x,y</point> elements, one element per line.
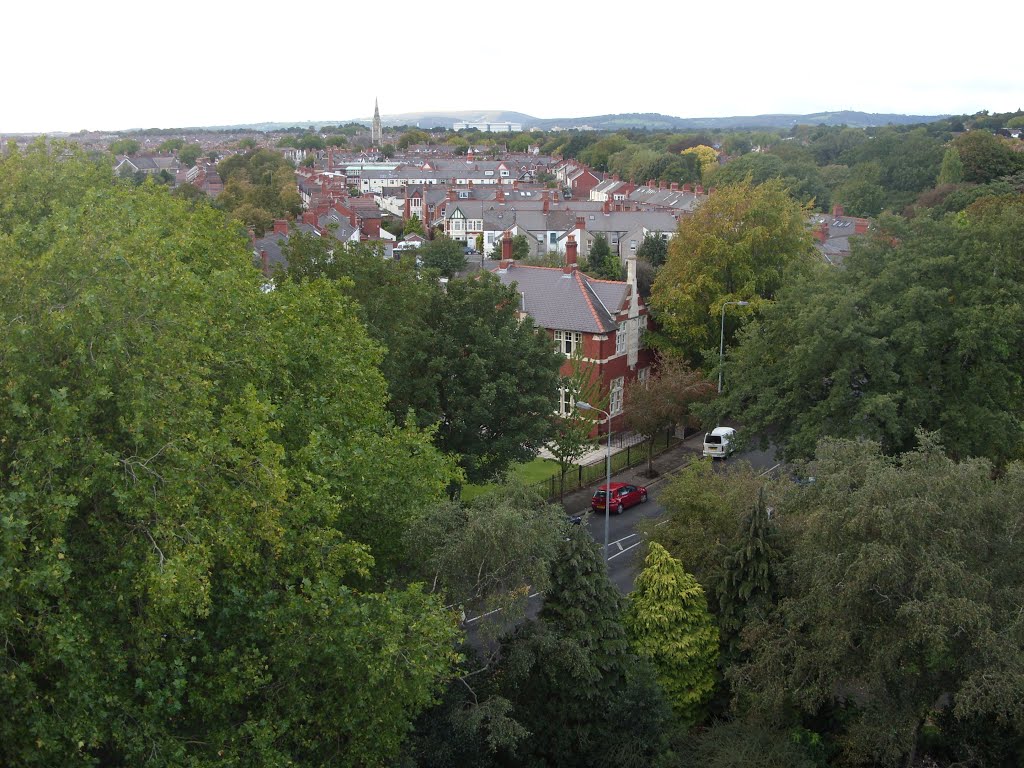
<point>719,442</point>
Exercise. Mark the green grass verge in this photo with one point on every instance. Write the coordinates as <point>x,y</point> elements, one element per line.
<point>535,471</point>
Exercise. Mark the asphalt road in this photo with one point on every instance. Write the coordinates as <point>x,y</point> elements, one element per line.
<point>625,553</point>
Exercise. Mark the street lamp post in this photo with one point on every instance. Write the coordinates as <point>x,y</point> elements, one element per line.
<point>721,341</point>
<point>608,472</point>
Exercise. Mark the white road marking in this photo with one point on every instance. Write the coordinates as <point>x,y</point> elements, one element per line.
<point>625,550</point>
<point>497,610</point>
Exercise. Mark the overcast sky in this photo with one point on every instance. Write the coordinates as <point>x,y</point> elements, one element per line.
<point>109,65</point>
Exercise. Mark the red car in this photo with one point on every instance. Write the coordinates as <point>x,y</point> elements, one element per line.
<point>623,495</point>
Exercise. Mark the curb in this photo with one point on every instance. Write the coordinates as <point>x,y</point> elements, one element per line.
<point>664,475</point>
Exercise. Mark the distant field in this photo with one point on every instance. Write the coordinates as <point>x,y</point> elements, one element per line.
<point>535,471</point>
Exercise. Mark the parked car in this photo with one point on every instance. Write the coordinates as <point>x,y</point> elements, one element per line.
<point>623,495</point>
<point>720,442</point>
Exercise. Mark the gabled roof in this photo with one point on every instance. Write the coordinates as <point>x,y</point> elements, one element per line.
<point>272,244</point>
<point>574,302</point>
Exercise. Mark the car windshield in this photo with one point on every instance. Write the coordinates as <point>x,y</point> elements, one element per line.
<point>716,439</point>
<point>598,495</point>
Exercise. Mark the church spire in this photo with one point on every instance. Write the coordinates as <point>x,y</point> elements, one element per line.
<point>376,132</point>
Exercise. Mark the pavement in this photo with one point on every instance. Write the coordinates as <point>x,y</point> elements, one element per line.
<point>665,464</point>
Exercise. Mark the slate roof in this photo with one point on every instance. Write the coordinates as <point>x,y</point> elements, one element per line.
<point>272,243</point>
<point>625,221</point>
<point>573,302</point>
<point>679,200</point>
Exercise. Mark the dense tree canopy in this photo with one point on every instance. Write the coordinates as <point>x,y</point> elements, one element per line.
<point>900,627</point>
<point>922,328</point>
<point>188,465</point>
<point>456,357</point>
<point>572,677</point>
<point>444,255</point>
<point>259,186</point>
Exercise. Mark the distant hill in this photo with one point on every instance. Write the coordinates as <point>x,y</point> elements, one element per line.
<point>653,120</point>
<point>639,120</point>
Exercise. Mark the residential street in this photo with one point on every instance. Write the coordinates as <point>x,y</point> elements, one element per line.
<point>624,540</point>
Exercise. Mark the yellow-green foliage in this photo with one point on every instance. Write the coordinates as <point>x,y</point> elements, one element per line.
<point>668,623</point>
<point>706,155</point>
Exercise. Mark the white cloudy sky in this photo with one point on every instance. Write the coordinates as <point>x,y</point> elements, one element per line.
<point>114,65</point>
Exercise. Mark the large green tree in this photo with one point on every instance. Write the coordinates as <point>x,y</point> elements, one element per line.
<point>704,523</point>
<point>922,328</point>
<point>653,248</point>
<point>492,377</point>
<point>457,357</point>
<point>736,246</point>
<point>124,146</point>
<point>602,262</point>
<point>444,255</point>
<point>488,555</point>
<point>900,631</point>
<point>189,153</point>
<point>571,674</point>
<point>259,186</point>
<point>986,157</point>
<point>201,494</point>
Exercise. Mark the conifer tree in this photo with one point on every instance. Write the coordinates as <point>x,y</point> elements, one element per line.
<point>604,262</point>
<point>566,670</point>
<point>747,578</point>
<point>668,623</point>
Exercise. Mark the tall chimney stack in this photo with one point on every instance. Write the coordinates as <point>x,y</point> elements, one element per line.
<point>506,250</point>
<point>570,255</point>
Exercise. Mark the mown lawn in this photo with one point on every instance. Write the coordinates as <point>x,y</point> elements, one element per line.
<point>535,471</point>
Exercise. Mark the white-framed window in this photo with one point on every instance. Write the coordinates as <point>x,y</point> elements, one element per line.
<point>643,374</point>
<point>620,338</point>
<point>568,341</point>
<point>641,327</point>
<point>615,397</point>
<point>457,224</point>
<point>566,401</point>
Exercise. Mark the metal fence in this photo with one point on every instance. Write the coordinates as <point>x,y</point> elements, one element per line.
<point>585,475</point>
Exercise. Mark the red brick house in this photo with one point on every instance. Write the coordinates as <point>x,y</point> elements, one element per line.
<point>606,318</point>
